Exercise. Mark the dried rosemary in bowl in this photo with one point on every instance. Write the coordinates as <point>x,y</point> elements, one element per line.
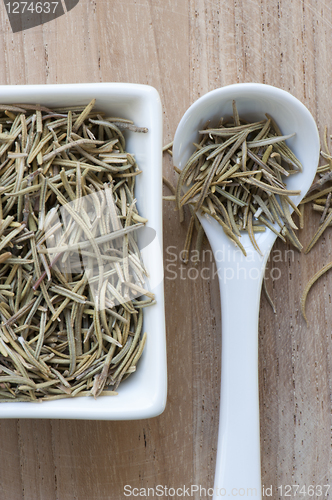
<point>72,281</point>
<point>319,195</point>
<point>236,176</point>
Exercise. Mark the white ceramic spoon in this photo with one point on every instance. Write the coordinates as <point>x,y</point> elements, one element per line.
<point>238,469</point>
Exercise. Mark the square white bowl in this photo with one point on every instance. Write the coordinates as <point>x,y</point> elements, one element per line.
<point>143,395</point>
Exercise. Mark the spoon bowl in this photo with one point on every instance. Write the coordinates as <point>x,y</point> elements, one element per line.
<point>240,278</point>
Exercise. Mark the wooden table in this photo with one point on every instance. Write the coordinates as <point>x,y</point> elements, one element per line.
<point>184,49</point>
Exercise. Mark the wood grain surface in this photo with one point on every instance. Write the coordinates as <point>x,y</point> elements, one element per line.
<point>185,48</point>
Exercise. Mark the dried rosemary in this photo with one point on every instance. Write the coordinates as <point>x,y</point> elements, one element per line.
<point>320,196</point>
<point>236,175</point>
<point>72,281</point>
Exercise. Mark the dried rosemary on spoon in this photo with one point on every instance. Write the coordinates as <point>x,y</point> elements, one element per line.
<point>236,176</point>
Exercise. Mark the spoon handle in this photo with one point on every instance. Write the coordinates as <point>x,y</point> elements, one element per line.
<point>238,469</point>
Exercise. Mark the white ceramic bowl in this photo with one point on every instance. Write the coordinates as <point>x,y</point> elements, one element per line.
<point>143,395</point>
